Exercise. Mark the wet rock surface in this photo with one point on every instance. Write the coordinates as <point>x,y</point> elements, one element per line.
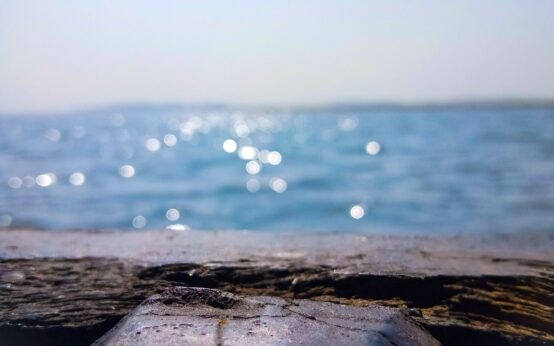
<point>201,316</point>
<point>494,294</point>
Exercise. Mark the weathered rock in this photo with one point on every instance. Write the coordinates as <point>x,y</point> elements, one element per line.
<point>202,316</point>
<point>507,255</point>
<point>69,288</point>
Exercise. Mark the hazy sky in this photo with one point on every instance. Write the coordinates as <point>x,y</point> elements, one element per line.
<point>62,55</point>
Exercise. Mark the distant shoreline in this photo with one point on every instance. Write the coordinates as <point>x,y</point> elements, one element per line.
<point>493,104</point>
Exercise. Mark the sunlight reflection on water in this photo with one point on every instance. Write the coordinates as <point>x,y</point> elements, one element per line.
<point>388,171</point>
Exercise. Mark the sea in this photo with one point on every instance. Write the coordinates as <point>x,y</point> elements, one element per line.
<point>449,170</point>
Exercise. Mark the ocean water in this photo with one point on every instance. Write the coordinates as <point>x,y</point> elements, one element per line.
<point>382,171</point>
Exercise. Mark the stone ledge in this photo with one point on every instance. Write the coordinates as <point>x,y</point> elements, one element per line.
<point>346,252</point>
<point>74,286</point>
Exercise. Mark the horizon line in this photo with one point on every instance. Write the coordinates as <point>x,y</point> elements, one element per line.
<point>469,104</point>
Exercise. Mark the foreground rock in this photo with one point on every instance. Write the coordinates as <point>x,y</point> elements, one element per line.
<point>420,256</point>
<point>201,316</point>
<point>70,288</point>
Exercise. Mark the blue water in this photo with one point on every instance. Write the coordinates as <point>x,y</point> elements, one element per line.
<point>432,171</point>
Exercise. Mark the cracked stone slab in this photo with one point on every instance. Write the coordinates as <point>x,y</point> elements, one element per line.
<point>202,316</point>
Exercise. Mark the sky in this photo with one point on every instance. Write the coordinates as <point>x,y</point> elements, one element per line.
<point>64,55</point>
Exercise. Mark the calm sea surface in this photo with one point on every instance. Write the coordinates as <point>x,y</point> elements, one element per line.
<point>405,171</point>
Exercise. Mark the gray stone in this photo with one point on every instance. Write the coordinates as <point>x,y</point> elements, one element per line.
<point>76,285</point>
<point>506,255</point>
<point>202,316</point>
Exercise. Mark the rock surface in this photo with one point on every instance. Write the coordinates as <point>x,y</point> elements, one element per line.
<point>474,255</point>
<point>201,316</point>
<point>69,288</point>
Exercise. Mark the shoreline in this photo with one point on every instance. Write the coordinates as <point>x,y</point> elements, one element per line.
<point>509,103</point>
<point>494,289</point>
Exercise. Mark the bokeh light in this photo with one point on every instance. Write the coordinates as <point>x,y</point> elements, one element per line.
<point>373,148</point>
<point>172,214</point>
<point>357,212</point>
<point>139,221</point>
<point>46,180</point>
<point>253,185</point>
<point>278,185</point>
<point>127,171</point>
<point>15,182</point>
<point>77,179</point>
<point>230,146</point>
<point>170,140</point>
<point>248,152</point>
<point>253,167</point>
<point>152,144</point>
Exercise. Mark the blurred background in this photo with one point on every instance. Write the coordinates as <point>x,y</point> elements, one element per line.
<point>386,117</point>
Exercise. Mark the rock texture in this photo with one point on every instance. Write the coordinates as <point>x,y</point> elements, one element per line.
<point>346,252</point>
<point>69,288</point>
<point>201,316</point>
